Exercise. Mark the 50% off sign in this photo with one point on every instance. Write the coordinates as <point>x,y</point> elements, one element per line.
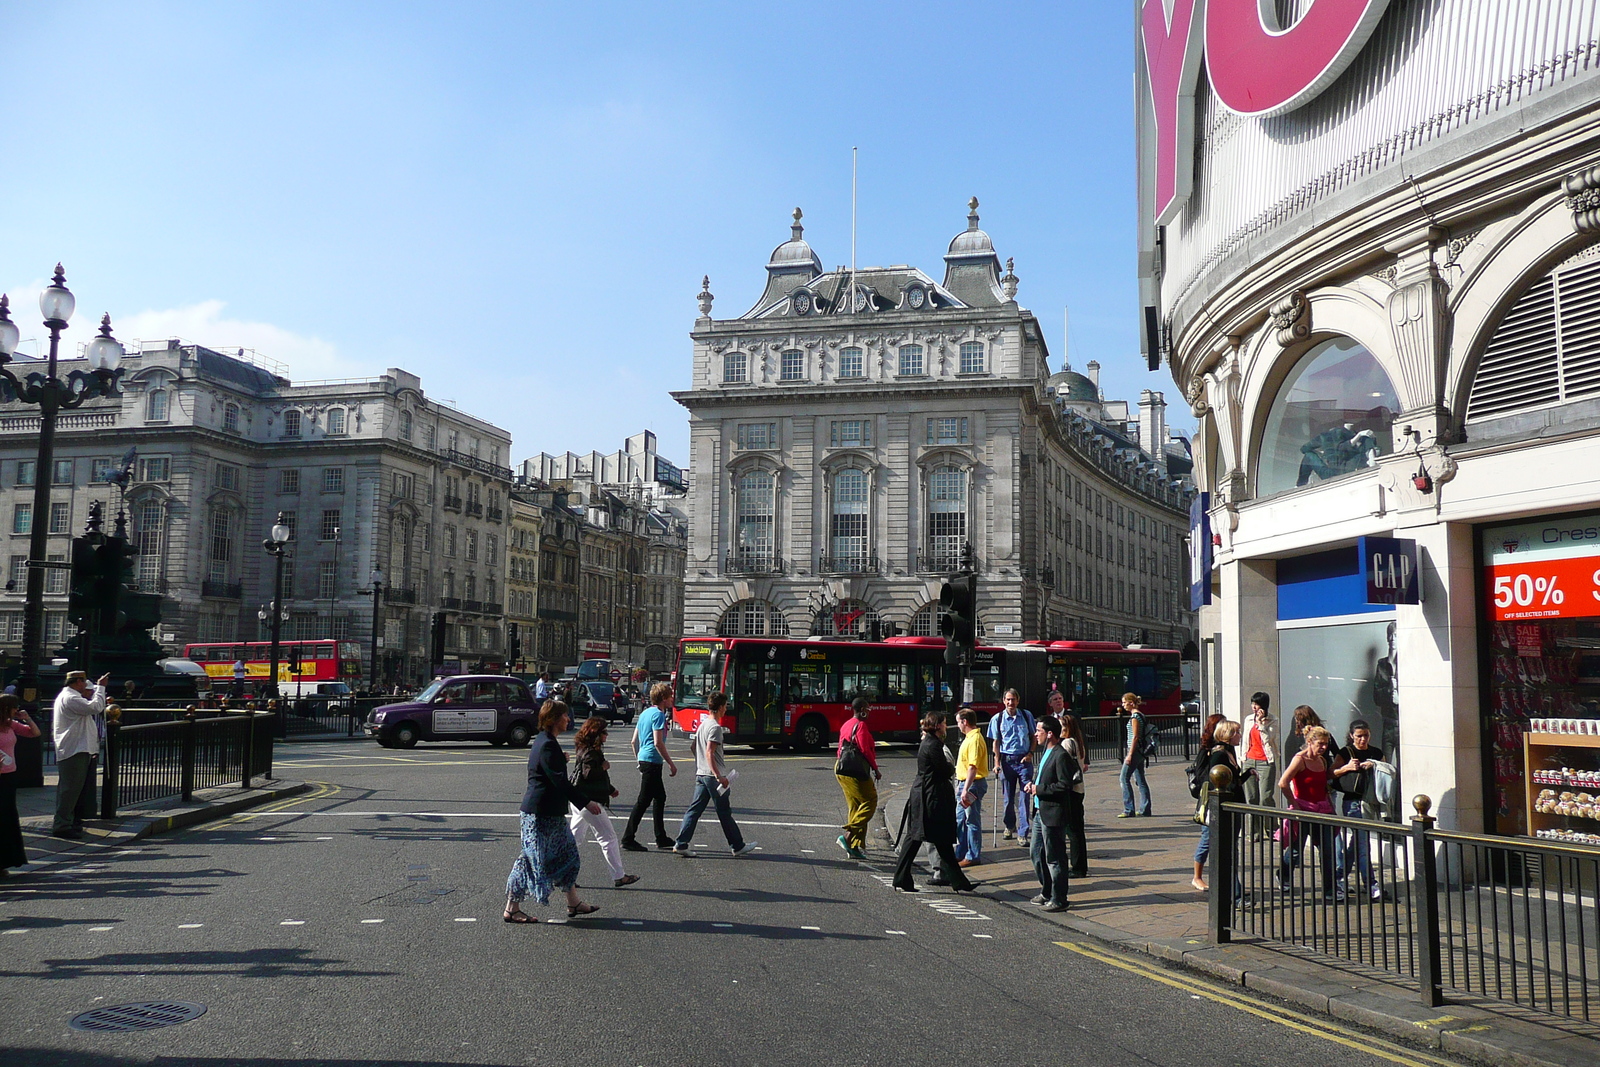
<point>1545,589</point>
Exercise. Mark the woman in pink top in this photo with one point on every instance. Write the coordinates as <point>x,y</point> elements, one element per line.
<point>14,723</point>
<point>1305,784</point>
<point>858,776</point>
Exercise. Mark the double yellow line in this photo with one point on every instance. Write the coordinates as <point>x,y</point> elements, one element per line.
<point>319,790</point>
<point>1325,1029</point>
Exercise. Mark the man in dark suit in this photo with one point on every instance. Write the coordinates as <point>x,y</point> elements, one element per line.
<point>1054,776</point>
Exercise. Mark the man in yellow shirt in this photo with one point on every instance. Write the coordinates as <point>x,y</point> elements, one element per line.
<point>972,764</point>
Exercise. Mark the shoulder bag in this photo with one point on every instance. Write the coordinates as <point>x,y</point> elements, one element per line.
<point>851,762</point>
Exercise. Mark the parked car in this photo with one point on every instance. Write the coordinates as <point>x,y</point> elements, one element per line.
<point>495,708</point>
<point>598,698</point>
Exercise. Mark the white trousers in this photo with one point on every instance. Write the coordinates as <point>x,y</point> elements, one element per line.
<point>605,835</point>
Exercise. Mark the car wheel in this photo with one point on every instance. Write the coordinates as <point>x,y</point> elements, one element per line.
<point>518,735</point>
<point>406,735</point>
<point>812,734</point>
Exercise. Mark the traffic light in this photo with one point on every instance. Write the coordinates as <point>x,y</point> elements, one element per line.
<point>83,588</point>
<point>958,605</point>
<point>513,647</point>
<point>436,645</point>
<point>293,657</point>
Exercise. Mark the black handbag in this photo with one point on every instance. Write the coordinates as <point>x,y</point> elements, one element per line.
<point>851,762</point>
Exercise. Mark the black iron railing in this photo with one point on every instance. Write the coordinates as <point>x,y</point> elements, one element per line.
<point>1105,736</point>
<point>392,595</point>
<point>1510,919</point>
<point>159,760</point>
<point>221,590</point>
<point>452,503</point>
<point>310,716</point>
<point>752,563</point>
<point>938,562</point>
<point>848,565</point>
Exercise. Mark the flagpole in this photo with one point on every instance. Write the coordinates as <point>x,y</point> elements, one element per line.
<point>853,171</point>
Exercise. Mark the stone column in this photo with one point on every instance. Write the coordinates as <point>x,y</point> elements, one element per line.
<point>1436,644</point>
<point>1249,604</point>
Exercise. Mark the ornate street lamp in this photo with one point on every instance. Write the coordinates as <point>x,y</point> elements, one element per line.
<point>276,544</point>
<point>52,394</point>
<point>377,601</point>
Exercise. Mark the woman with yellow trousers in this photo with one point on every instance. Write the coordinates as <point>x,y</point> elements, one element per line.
<point>856,767</point>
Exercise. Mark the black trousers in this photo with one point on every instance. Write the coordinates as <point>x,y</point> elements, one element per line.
<point>1077,845</point>
<point>12,854</point>
<point>651,790</point>
<point>948,870</point>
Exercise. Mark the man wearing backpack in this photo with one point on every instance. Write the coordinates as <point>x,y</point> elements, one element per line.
<point>1135,754</point>
<point>1011,732</point>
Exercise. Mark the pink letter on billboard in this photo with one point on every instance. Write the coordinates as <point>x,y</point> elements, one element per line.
<point>1260,71</point>
<point>1172,44</point>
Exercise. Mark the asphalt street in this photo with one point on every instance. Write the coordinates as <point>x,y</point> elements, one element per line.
<point>360,924</point>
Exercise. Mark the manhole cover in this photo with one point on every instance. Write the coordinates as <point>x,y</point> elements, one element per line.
<point>149,1015</point>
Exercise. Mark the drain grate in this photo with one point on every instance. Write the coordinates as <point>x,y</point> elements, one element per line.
<point>147,1015</point>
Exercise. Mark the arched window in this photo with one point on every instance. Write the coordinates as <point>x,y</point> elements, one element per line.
<point>850,365</point>
<point>1332,416</point>
<point>972,357</point>
<point>291,423</point>
<point>910,360</point>
<point>155,406</point>
<point>150,518</point>
<point>735,367</point>
<point>753,540</point>
<point>847,528</point>
<point>947,516</point>
<point>925,623</point>
<point>405,426</point>
<point>336,417</point>
<point>230,418</point>
<point>1546,350</point>
<point>753,618</point>
<point>848,618</point>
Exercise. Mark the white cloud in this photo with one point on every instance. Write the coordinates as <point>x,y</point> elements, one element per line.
<point>303,358</point>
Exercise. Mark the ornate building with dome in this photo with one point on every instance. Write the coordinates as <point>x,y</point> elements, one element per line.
<point>855,430</point>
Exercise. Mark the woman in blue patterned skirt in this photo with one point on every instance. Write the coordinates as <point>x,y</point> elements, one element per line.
<point>549,857</point>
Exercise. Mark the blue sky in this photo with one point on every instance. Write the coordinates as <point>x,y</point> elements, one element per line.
<point>517,202</point>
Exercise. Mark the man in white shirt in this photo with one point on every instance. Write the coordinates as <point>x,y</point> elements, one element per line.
<point>76,727</point>
<point>712,779</point>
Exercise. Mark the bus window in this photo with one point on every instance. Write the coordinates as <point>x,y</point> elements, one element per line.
<point>860,678</point>
<point>935,691</point>
<point>897,678</point>
<point>811,683</point>
<point>986,686</point>
<point>1114,682</point>
<point>697,679</point>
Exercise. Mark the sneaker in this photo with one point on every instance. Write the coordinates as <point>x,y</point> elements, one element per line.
<point>1055,907</point>
<point>1023,840</point>
<point>748,846</point>
<point>1126,815</point>
<point>684,851</point>
<point>844,843</point>
<point>1009,836</point>
<point>969,862</point>
<point>857,854</point>
<point>1040,899</point>
<point>631,845</point>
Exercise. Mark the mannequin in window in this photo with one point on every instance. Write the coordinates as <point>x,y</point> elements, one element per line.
<point>1337,451</point>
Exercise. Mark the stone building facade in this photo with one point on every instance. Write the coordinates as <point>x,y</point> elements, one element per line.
<point>853,431</point>
<point>372,475</point>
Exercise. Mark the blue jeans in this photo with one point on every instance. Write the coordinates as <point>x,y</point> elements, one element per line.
<point>969,821</point>
<point>1354,847</point>
<point>705,792</point>
<point>1014,774</point>
<point>1133,773</point>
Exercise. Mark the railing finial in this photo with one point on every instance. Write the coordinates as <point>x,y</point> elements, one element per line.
<point>1423,803</point>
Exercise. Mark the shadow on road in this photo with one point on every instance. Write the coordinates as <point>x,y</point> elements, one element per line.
<point>251,963</point>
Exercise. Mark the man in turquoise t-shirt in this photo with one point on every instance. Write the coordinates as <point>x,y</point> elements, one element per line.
<point>650,743</point>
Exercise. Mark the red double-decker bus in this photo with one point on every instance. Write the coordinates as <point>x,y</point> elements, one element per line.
<point>301,664</point>
<point>786,691</point>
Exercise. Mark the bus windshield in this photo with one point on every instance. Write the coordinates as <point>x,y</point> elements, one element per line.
<point>697,678</point>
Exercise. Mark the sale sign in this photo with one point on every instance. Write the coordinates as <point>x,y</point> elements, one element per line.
<point>1543,570</point>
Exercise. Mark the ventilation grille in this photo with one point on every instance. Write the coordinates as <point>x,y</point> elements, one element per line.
<point>1546,350</point>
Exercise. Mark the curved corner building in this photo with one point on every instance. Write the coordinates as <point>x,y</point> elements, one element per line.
<point>1368,254</point>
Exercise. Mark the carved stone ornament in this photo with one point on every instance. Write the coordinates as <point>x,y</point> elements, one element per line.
<point>1583,197</point>
<point>705,298</point>
<point>1291,319</point>
<point>1196,394</point>
<point>1008,284</point>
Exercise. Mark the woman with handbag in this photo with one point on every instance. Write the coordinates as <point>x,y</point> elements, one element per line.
<point>856,767</point>
<point>549,857</point>
<point>1305,784</point>
<point>931,812</point>
<point>1218,751</point>
<point>591,773</point>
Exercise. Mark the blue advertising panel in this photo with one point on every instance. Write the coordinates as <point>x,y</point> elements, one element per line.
<point>1389,569</point>
<point>1200,551</point>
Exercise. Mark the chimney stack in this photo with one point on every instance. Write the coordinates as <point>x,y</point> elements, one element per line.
<point>1153,426</point>
<point>1092,369</point>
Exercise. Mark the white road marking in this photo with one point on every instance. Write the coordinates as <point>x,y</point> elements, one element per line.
<point>467,920</point>
<point>100,929</point>
<point>293,922</point>
<point>901,933</point>
<point>632,922</point>
<point>723,926</point>
<point>811,928</point>
<point>190,926</point>
<point>372,920</point>
<point>324,839</point>
<point>809,850</point>
<point>22,931</point>
<point>991,936</point>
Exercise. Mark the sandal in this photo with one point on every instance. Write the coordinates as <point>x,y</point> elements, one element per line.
<point>627,879</point>
<point>518,917</point>
<point>582,909</point>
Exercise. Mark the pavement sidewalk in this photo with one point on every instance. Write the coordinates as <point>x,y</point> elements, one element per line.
<point>37,806</point>
<point>1138,897</point>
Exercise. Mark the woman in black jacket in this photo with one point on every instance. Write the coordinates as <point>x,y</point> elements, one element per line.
<point>931,811</point>
<point>591,773</point>
<point>1220,754</point>
<point>549,858</point>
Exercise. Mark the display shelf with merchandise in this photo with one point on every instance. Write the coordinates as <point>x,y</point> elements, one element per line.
<point>1563,803</point>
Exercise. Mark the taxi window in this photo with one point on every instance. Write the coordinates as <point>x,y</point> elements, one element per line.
<point>486,692</point>
<point>453,693</point>
<point>517,693</point>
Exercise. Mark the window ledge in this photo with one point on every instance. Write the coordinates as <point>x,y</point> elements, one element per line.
<point>974,374</point>
<point>912,377</point>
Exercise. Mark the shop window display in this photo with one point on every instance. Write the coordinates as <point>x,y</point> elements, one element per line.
<point>1543,705</point>
<point>1333,415</point>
